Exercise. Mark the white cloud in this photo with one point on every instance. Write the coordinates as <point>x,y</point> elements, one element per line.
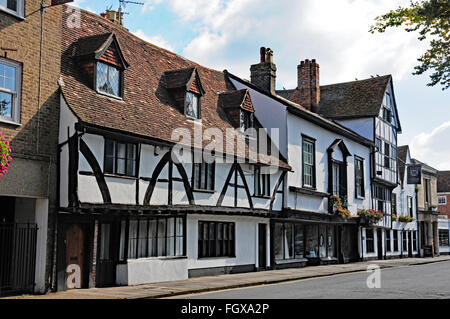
<point>155,39</point>
<point>334,32</point>
<point>433,148</point>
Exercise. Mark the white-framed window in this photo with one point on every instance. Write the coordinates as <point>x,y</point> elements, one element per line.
<point>108,79</point>
<point>15,7</point>
<point>336,179</point>
<point>10,83</point>
<point>308,159</point>
<point>192,105</point>
<point>442,200</point>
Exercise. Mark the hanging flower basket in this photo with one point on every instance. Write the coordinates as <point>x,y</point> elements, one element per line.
<point>394,217</point>
<point>337,208</point>
<point>5,155</point>
<point>405,219</point>
<point>370,216</point>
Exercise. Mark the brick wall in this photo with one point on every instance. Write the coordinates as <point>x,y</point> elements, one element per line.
<point>445,209</point>
<point>34,141</point>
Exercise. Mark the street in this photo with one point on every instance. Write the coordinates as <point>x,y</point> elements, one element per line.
<point>418,281</point>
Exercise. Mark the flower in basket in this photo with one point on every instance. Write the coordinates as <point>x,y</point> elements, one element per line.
<point>394,217</point>
<point>373,216</point>
<point>405,219</point>
<point>338,209</point>
<point>344,212</point>
<point>5,155</point>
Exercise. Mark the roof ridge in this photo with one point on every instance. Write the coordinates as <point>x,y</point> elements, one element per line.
<point>367,79</point>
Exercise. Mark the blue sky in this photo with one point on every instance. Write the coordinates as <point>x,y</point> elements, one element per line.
<point>227,34</point>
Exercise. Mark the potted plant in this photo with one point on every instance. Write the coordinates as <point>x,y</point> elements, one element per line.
<point>370,216</point>
<point>337,208</point>
<point>405,219</point>
<point>5,155</point>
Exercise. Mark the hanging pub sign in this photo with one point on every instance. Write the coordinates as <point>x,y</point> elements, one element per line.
<point>414,174</point>
<point>58,2</point>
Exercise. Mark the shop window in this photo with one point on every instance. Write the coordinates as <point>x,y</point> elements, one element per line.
<point>370,241</point>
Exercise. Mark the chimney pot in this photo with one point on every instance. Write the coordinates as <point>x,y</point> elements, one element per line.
<point>308,85</point>
<point>263,74</point>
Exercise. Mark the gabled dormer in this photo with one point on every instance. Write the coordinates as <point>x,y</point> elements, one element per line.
<point>239,108</point>
<point>102,63</point>
<point>186,88</point>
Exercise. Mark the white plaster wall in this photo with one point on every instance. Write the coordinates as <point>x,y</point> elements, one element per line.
<point>64,176</point>
<point>88,190</point>
<point>246,241</point>
<point>67,121</point>
<point>122,190</point>
<point>96,144</point>
<point>324,138</point>
<point>148,270</point>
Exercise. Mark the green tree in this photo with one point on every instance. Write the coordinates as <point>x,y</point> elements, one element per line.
<point>431,18</point>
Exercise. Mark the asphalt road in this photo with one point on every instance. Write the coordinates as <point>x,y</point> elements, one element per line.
<point>420,281</point>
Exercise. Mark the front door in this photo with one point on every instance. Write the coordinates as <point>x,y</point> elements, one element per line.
<point>106,265</point>
<point>74,256</point>
<point>380,243</point>
<point>262,246</point>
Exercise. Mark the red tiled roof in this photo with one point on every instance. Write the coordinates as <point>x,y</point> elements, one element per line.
<point>147,108</point>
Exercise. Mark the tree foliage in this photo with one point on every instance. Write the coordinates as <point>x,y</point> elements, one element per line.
<point>431,18</point>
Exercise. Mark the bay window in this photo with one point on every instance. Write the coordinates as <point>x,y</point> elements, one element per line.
<point>152,237</point>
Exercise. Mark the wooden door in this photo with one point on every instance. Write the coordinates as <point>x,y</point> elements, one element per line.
<point>106,257</point>
<point>74,256</point>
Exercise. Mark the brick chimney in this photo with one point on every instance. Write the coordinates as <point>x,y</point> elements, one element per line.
<point>264,73</point>
<point>308,85</point>
<point>113,16</point>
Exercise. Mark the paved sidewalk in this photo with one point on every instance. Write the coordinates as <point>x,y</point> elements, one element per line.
<point>212,283</point>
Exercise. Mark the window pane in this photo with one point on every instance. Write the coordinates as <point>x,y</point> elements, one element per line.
<point>110,154</point>
<point>132,239</point>
<point>108,79</point>
<point>12,5</point>
<point>142,242</point>
<point>6,101</point>
<point>330,241</point>
<point>131,159</point>
<point>278,241</point>
<point>104,241</point>
<point>179,238</point>
<point>288,242</point>
<point>299,241</point>
<point>121,158</point>
<point>161,237</point>
<point>171,237</point>
<point>152,224</point>
<point>122,240</point>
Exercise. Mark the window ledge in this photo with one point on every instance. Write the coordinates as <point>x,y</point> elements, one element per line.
<point>119,176</point>
<point>290,261</point>
<point>118,98</point>
<point>308,191</point>
<point>360,197</point>
<point>262,196</point>
<point>215,258</point>
<point>10,122</point>
<point>153,258</point>
<point>207,191</point>
<point>13,13</point>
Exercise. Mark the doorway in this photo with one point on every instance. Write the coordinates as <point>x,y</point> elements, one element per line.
<point>262,246</point>
<point>106,252</point>
<point>380,243</point>
<point>75,240</point>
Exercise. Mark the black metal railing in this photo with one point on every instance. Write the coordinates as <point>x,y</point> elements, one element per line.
<point>17,258</point>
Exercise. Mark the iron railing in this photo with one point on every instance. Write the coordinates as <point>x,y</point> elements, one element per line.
<point>17,258</point>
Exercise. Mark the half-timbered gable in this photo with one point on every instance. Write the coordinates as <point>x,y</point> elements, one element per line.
<point>326,160</point>
<point>136,181</point>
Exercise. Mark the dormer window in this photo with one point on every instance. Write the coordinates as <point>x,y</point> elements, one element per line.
<point>246,120</point>
<point>108,79</point>
<point>102,62</point>
<point>192,105</point>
